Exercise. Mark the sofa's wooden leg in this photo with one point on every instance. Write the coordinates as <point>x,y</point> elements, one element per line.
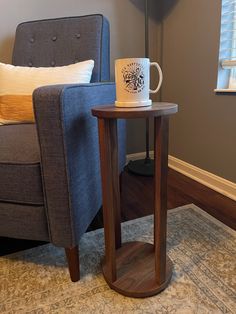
<point>72,255</point>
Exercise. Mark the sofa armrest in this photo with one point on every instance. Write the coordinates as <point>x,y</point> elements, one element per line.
<point>68,140</point>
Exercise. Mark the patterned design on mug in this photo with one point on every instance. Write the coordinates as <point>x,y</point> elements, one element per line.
<point>133,75</point>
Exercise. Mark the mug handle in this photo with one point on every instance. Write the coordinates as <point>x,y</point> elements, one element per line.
<point>155,64</point>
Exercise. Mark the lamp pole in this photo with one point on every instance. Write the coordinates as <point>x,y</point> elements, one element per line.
<point>146,30</point>
<point>144,167</point>
<point>147,159</point>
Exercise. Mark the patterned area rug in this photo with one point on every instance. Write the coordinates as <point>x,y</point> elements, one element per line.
<point>204,279</point>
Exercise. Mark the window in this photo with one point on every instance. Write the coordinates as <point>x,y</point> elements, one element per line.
<point>227,54</point>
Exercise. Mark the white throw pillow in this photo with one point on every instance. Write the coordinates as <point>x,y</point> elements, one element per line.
<point>18,80</point>
<point>23,80</point>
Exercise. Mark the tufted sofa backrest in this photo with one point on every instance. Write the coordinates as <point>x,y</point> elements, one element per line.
<point>63,41</point>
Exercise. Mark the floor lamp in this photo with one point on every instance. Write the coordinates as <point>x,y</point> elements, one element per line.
<point>144,167</point>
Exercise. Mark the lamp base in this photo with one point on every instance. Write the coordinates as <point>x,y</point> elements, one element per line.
<point>142,167</point>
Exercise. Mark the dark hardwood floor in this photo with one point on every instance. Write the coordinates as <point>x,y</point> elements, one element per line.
<point>185,190</point>
<point>137,201</point>
<point>137,198</point>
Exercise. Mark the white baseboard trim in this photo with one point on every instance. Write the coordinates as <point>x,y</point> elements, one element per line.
<point>206,178</point>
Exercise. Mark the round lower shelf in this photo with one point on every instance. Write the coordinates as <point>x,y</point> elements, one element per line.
<point>135,266</point>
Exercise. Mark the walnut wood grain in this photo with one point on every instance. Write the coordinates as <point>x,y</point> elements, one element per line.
<point>110,191</point>
<point>72,255</point>
<point>160,194</point>
<point>135,269</point>
<point>157,109</point>
<point>136,276</point>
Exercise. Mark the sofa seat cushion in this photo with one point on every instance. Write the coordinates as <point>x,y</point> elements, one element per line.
<point>20,174</point>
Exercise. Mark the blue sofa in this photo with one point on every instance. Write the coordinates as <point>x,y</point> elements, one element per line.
<point>50,188</point>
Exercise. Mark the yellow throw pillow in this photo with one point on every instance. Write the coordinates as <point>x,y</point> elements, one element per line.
<point>16,108</point>
<point>17,84</point>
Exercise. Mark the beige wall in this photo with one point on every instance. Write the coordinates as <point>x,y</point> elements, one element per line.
<point>127,33</point>
<point>203,133</point>
<point>126,21</point>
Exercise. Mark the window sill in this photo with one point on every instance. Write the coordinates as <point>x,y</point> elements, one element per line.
<point>225,90</point>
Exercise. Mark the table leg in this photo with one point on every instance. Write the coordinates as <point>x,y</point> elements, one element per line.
<point>161,127</point>
<point>110,192</point>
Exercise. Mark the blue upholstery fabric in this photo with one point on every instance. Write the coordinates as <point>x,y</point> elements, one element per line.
<point>62,192</point>
<point>20,174</point>
<point>70,155</point>
<point>23,221</point>
<point>63,41</point>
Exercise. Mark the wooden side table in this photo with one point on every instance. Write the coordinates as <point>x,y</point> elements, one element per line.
<point>134,269</point>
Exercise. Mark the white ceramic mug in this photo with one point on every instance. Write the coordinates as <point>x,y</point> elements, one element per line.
<point>132,76</point>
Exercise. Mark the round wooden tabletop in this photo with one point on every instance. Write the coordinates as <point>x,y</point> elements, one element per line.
<point>157,109</point>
